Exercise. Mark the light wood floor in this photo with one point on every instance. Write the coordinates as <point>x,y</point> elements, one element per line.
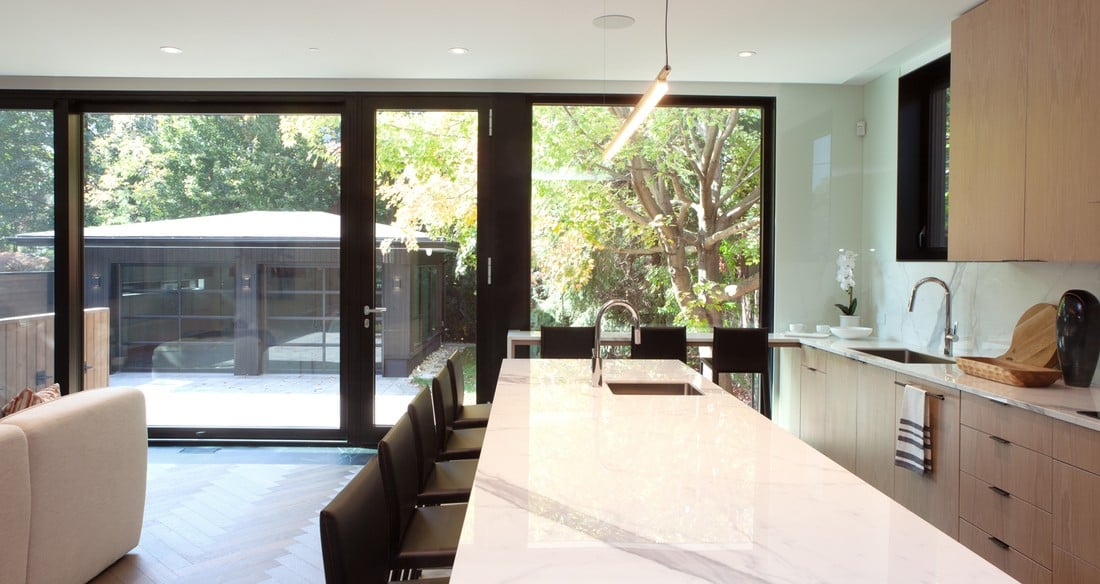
<point>234,515</point>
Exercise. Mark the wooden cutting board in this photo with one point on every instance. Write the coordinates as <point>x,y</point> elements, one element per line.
<point>1035,338</point>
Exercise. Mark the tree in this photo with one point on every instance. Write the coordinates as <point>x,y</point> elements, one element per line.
<point>154,167</point>
<point>673,221</point>
<point>26,171</point>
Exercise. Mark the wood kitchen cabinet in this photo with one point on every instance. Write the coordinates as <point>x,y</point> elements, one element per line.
<point>812,394</point>
<point>1076,485</point>
<point>787,399</point>
<point>988,133</point>
<point>840,411</point>
<point>1062,213</point>
<point>1024,131</point>
<point>1005,492</point>
<point>876,426</point>
<point>933,496</point>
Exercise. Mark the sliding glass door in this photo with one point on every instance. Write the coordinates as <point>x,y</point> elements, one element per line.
<point>212,249</point>
<point>425,186</point>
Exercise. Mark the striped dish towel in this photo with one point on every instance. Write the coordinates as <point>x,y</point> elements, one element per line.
<point>914,446</point>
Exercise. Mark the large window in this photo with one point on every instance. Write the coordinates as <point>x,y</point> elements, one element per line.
<point>673,223</point>
<point>924,130</point>
<point>26,267</point>
<point>213,240</point>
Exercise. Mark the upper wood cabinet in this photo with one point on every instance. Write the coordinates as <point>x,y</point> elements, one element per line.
<point>1062,215</point>
<point>1024,185</point>
<point>988,132</point>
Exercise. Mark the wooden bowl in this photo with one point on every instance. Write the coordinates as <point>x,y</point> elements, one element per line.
<point>1010,372</point>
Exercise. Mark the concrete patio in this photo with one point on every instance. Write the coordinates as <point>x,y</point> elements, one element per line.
<point>218,400</point>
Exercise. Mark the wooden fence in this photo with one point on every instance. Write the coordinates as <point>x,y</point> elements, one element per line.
<point>27,355</point>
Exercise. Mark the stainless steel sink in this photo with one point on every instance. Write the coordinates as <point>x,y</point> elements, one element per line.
<point>651,388</point>
<point>905,356</point>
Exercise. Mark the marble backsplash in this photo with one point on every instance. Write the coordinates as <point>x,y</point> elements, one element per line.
<point>987,299</point>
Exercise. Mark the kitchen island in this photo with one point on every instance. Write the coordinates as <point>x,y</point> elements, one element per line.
<point>576,484</point>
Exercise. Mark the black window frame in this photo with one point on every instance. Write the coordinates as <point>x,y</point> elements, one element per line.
<point>923,162</point>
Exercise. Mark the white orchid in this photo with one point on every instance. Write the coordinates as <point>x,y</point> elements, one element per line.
<point>846,276</point>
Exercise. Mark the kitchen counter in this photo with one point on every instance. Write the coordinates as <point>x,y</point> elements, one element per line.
<point>518,338</point>
<point>576,484</point>
<point>1057,401</point>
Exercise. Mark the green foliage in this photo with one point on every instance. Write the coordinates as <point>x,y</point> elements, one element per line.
<point>26,171</point>
<point>671,224</point>
<point>155,167</point>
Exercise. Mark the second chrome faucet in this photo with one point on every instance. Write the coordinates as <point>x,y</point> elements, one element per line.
<point>950,330</point>
<point>597,363</point>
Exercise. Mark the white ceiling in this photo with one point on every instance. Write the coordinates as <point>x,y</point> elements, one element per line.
<point>797,41</point>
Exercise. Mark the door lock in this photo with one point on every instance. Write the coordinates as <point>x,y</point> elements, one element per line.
<point>368,312</point>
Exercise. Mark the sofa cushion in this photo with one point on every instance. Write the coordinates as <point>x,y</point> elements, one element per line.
<point>88,455</point>
<point>15,511</point>
<point>28,397</point>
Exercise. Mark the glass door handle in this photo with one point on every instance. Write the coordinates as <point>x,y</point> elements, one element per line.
<point>368,311</point>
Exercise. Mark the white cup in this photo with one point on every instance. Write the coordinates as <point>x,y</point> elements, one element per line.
<point>797,327</point>
<point>823,328</point>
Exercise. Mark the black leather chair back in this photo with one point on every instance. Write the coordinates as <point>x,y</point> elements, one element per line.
<point>661,342</point>
<point>355,537</point>
<point>567,342</point>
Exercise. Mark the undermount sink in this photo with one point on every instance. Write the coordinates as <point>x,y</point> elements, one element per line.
<point>905,356</point>
<point>651,388</point>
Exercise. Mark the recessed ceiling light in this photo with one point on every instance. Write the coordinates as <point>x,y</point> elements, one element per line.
<point>612,21</point>
<point>458,50</point>
<point>171,50</point>
<point>314,50</point>
<point>746,53</point>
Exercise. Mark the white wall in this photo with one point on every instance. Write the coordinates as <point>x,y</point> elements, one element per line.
<point>819,189</point>
<point>987,298</point>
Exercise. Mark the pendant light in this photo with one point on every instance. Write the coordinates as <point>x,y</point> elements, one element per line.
<point>649,101</point>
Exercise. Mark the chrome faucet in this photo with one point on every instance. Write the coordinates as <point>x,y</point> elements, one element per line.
<point>949,329</point>
<point>597,365</point>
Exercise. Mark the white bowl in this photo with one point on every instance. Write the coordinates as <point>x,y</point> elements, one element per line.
<point>851,332</point>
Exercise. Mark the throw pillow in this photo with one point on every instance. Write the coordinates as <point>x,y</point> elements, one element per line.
<point>28,397</point>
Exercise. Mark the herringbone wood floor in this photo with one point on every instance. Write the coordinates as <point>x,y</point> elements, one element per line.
<point>209,521</point>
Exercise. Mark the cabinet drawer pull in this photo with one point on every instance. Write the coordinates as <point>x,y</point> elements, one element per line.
<point>999,543</point>
<point>1003,402</point>
<point>1000,491</point>
<point>999,440</point>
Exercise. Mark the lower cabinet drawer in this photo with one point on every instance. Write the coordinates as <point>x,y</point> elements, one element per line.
<point>1073,570</point>
<point>1021,525</point>
<point>1022,472</point>
<point>1002,555</point>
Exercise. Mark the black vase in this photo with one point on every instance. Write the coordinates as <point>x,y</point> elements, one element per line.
<point>1078,336</point>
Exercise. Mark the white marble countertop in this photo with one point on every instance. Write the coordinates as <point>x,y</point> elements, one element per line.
<point>578,485</point>
<point>518,338</point>
<point>1058,401</point>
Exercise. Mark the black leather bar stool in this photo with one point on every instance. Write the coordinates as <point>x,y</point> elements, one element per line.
<point>465,415</point>
<point>423,537</point>
<point>741,350</point>
<point>567,342</point>
<point>454,443</point>
<point>660,342</point>
<point>441,481</point>
<point>355,533</point>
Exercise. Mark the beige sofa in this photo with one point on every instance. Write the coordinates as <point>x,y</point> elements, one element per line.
<point>72,478</point>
